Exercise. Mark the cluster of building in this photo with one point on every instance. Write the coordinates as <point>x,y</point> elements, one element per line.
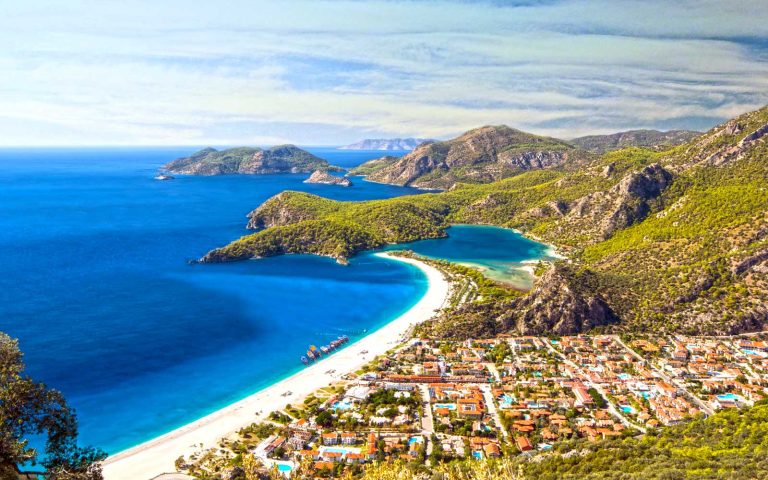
<point>718,372</point>
<point>487,398</point>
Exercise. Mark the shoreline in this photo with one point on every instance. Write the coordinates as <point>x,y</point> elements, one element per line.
<point>158,455</point>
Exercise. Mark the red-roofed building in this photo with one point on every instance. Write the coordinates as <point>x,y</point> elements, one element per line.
<point>523,444</point>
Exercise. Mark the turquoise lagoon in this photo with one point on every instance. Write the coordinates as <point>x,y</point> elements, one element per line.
<point>500,253</point>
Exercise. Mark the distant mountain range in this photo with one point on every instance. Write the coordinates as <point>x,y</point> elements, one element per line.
<point>635,138</point>
<point>401,144</point>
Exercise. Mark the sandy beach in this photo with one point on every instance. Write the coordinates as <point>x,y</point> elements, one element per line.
<point>157,456</point>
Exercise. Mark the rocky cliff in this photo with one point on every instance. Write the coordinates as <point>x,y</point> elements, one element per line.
<point>597,215</point>
<point>246,160</point>
<point>478,156</point>
<point>563,302</point>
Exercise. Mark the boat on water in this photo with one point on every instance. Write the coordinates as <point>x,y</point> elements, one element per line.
<point>163,176</point>
<point>313,353</point>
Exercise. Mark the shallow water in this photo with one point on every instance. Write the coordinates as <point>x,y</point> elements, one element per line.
<point>500,253</point>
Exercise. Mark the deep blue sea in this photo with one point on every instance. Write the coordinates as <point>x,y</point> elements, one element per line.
<point>94,281</point>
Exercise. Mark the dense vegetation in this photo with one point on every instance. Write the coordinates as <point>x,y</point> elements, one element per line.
<point>31,411</point>
<point>731,444</point>
<point>635,138</point>
<point>481,155</point>
<point>373,165</point>
<point>675,239</point>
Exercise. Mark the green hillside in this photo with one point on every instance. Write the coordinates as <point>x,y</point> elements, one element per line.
<point>675,239</point>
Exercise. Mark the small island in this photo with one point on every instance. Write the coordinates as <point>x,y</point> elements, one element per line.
<point>250,161</point>
<point>325,178</point>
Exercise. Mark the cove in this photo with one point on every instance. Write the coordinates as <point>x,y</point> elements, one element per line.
<point>500,253</point>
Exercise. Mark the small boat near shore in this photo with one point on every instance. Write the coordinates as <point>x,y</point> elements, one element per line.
<point>314,353</point>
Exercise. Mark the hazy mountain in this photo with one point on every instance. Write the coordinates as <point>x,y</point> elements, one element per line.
<point>386,144</point>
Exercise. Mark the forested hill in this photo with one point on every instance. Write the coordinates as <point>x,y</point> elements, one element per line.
<point>674,240</point>
<point>247,160</point>
<point>481,155</point>
<point>635,138</point>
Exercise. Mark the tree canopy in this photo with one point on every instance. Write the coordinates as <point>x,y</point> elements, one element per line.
<point>29,409</point>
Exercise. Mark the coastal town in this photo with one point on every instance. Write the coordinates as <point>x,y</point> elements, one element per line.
<point>430,401</point>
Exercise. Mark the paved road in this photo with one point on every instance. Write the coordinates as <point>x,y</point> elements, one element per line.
<point>492,410</point>
<point>494,371</point>
<point>747,364</point>
<point>611,407</point>
<point>427,420</point>
<point>686,393</point>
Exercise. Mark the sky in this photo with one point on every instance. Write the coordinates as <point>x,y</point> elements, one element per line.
<point>333,72</point>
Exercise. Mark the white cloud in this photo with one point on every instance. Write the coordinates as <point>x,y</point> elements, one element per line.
<point>328,72</point>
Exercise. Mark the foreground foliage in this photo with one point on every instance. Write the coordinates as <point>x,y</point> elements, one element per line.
<point>28,409</point>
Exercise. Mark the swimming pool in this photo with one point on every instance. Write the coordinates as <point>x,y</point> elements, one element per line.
<point>415,440</point>
<point>449,406</point>
<point>627,409</point>
<point>728,396</point>
<point>624,376</point>
<point>341,450</point>
<point>342,405</point>
<point>754,353</point>
<point>478,455</point>
<point>284,467</point>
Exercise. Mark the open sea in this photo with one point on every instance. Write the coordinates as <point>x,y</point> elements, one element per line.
<point>94,282</point>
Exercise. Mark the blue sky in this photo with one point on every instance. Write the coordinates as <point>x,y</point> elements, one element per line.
<point>317,72</point>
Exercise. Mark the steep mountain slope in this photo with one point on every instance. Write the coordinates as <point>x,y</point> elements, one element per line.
<point>386,144</point>
<point>478,156</point>
<point>635,138</point>
<point>373,165</point>
<point>246,160</point>
<point>674,240</point>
